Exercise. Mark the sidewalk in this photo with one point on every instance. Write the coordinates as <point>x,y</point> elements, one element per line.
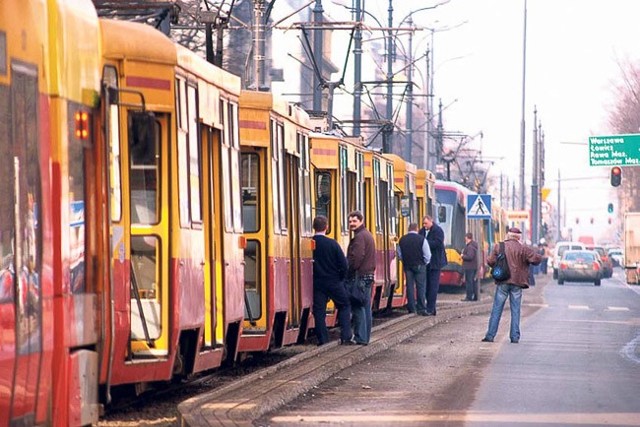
<point>247,399</point>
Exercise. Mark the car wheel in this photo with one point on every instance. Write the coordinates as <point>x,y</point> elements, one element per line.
<point>560,281</point>
<point>597,283</point>
<point>555,274</point>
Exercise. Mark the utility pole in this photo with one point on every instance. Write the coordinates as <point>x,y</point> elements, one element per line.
<point>559,236</point>
<point>408,142</point>
<point>439,136</point>
<point>258,45</point>
<point>387,134</point>
<point>428,152</point>
<point>535,215</point>
<point>522,123</point>
<point>357,69</point>
<point>318,54</point>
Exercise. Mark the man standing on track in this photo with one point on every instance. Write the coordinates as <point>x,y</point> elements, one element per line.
<point>329,272</point>
<point>435,238</point>
<point>361,257</point>
<point>414,252</point>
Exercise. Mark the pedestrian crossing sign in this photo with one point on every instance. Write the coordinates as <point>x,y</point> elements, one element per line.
<point>479,206</point>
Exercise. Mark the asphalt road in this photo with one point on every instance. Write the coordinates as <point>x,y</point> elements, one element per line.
<point>578,363</point>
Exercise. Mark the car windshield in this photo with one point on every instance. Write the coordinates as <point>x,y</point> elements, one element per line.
<point>579,256</point>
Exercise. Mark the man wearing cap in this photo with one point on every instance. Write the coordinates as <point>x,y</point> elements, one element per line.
<point>519,257</point>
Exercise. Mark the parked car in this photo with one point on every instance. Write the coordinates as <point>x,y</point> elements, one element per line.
<point>607,264</point>
<point>616,255</point>
<point>580,266</point>
<point>559,250</point>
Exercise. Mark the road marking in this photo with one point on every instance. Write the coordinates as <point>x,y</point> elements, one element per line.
<point>630,350</point>
<point>537,305</point>
<point>486,417</point>
<point>618,308</point>
<point>579,307</point>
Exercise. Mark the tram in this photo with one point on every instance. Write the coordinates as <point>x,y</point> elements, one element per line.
<point>451,208</point>
<point>277,216</point>
<point>157,218</point>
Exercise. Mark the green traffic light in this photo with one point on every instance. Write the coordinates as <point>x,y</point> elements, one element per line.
<point>610,208</point>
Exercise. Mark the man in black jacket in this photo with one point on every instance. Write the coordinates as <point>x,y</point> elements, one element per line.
<point>435,238</point>
<point>413,251</point>
<point>470,267</point>
<point>329,271</point>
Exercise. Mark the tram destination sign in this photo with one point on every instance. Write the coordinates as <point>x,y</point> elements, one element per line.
<point>614,150</point>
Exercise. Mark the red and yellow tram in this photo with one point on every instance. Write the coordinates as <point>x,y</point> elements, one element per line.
<point>48,307</point>
<point>156,218</point>
<point>276,207</point>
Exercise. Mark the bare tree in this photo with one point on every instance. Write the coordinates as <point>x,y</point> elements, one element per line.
<point>625,119</point>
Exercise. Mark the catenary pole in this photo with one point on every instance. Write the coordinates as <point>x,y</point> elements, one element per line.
<point>522,122</point>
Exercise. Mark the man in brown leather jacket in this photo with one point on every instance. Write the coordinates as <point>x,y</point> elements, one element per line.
<point>519,257</point>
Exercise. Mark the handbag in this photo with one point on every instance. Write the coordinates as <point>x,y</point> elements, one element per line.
<point>500,271</point>
<point>357,292</point>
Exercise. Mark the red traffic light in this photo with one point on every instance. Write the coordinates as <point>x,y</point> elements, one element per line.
<point>616,176</point>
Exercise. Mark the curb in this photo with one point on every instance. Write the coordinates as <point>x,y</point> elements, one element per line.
<point>241,402</point>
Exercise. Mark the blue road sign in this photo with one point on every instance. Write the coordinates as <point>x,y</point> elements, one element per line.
<point>479,206</point>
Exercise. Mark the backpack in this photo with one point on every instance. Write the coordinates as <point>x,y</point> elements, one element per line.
<point>500,271</point>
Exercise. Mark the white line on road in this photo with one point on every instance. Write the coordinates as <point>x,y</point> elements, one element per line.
<point>618,308</point>
<point>579,307</point>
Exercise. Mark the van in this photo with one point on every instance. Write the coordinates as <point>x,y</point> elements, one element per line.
<point>560,249</point>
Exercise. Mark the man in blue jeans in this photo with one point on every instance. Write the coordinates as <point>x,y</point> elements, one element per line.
<point>519,257</point>
<point>435,238</point>
<point>413,251</point>
<point>361,258</point>
<point>329,271</point>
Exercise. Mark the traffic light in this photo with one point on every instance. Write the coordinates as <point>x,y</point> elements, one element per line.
<point>610,208</point>
<point>616,176</point>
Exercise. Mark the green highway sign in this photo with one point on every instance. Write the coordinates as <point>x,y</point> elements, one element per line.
<point>614,150</point>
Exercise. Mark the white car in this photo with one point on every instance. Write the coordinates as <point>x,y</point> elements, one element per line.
<point>561,248</point>
<point>617,256</point>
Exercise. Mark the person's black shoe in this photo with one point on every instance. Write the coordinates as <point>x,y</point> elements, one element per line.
<point>475,299</point>
<point>361,343</point>
<point>347,342</point>
<point>485,339</point>
<point>429,313</point>
<point>515,341</point>
<point>422,313</point>
<point>466,299</point>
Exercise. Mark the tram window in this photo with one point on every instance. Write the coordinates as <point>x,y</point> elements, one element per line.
<point>194,156</point>
<point>234,133</point>
<point>344,190</point>
<point>250,195</point>
<point>323,195</point>
<point>7,210</point>
<point>144,137</point>
<point>442,214</point>
<point>144,287</point>
<point>252,281</point>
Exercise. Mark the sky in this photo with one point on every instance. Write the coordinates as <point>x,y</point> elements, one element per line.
<point>574,53</point>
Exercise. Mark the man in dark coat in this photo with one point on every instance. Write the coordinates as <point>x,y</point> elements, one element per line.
<point>413,251</point>
<point>435,237</point>
<point>470,267</point>
<point>329,272</point>
<point>361,258</point>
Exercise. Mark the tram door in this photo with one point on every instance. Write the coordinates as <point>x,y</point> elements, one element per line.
<point>138,180</point>
<point>294,206</point>
<point>20,244</point>
<point>143,161</point>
